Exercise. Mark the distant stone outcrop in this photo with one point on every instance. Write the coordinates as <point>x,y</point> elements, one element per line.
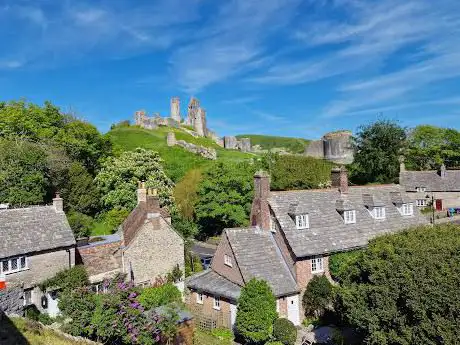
<point>232,143</point>
<point>335,147</point>
<point>206,152</point>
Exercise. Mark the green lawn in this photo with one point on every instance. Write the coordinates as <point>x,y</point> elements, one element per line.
<point>177,161</point>
<point>268,142</point>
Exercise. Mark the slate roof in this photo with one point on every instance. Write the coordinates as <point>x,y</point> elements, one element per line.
<point>102,256</point>
<point>328,232</point>
<point>430,180</point>
<point>259,257</point>
<point>33,229</point>
<point>213,283</point>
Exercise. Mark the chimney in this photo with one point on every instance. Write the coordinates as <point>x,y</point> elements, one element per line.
<point>141,193</point>
<point>339,178</point>
<point>260,213</point>
<point>402,164</point>
<point>153,201</point>
<point>58,203</point>
<point>442,172</point>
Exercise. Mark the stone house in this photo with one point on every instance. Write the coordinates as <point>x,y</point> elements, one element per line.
<point>443,186</point>
<point>291,237</point>
<point>145,247</point>
<point>35,244</point>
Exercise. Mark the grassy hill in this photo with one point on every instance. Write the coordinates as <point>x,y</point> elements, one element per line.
<point>268,142</point>
<point>177,161</point>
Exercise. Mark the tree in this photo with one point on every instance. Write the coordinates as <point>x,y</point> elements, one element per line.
<point>256,312</point>
<point>224,197</point>
<point>405,288</point>
<point>119,177</point>
<point>80,223</point>
<point>341,263</point>
<point>23,173</point>
<point>378,147</point>
<point>284,331</point>
<point>317,296</point>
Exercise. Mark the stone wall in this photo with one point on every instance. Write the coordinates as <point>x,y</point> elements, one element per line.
<point>205,316</point>
<point>335,147</point>
<point>11,301</point>
<point>206,152</point>
<point>232,143</point>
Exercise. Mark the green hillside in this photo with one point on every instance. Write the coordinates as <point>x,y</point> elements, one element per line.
<point>177,160</point>
<point>268,142</point>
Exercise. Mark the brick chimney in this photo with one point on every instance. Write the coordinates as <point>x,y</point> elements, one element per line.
<point>153,201</point>
<point>442,171</point>
<point>58,203</point>
<point>260,213</point>
<point>339,178</point>
<point>141,193</point>
<point>402,164</point>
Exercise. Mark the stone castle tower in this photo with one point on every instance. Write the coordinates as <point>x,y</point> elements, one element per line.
<point>175,109</point>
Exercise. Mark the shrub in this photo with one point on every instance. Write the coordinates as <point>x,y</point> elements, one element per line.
<point>45,319</point>
<point>153,297</point>
<point>274,343</point>
<point>256,312</point>
<point>68,279</point>
<point>115,217</point>
<point>80,223</point>
<point>284,331</point>
<point>317,296</point>
<point>342,262</point>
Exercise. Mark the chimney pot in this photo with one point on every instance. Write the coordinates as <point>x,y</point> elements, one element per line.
<point>58,203</point>
<point>443,171</point>
<point>141,193</point>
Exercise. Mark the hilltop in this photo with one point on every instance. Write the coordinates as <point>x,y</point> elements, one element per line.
<point>275,143</point>
<point>177,161</point>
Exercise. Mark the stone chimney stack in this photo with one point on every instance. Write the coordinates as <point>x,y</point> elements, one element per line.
<point>141,193</point>
<point>260,212</point>
<point>153,201</point>
<point>442,171</point>
<point>402,165</point>
<point>58,203</point>
<point>339,179</point>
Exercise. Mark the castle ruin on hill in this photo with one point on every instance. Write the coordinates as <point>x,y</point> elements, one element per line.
<point>335,147</point>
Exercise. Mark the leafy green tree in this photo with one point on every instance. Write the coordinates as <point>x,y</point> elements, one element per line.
<point>378,147</point>
<point>405,290</point>
<point>341,263</point>
<point>224,197</point>
<point>80,223</point>
<point>23,173</point>
<point>119,177</point>
<point>284,331</point>
<point>256,312</point>
<point>317,296</point>
<point>114,218</point>
<point>67,280</point>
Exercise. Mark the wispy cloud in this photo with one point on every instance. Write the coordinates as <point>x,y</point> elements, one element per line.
<point>240,100</point>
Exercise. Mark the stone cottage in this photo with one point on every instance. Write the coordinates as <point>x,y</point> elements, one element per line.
<point>35,244</point>
<point>293,233</point>
<point>443,186</point>
<point>146,246</point>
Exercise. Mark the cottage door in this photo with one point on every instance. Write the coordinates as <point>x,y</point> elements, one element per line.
<point>293,309</point>
<point>53,309</point>
<point>232,314</point>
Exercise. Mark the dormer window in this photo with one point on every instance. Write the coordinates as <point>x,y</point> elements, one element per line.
<point>378,212</point>
<point>349,217</point>
<point>407,209</point>
<point>302,221</point>
<point>420,189</point>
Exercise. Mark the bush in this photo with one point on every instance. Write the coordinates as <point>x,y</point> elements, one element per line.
<point>342,262</point>
<point>80,223</point>
<point>256,312</point>
<point>45,319</point>
<point>114,218</point>
<point>318,296</point>
<point>68,279</point>
<point>274,343</point>
<point>153,297</point>
<point>284,331</point>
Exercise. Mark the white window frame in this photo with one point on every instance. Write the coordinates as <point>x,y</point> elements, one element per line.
<point>18,268</point>
<point>407,209</point>
<point>216,303</point>
<point>199,298</point>
<point>420,189</point>
<point>27,297</point>
<point>349,216</point>
<point>379,212</point>
<point>228,260</point>
<point>317,264</point>
<point>421,202</point>
<point>272,225</point>
<point>302,221</point>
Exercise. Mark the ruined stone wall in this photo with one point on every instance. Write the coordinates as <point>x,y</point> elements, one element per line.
<point>245,145</point>
<point>335,147</point>
<point>175,109</point>
<point>230,142</point>
<point>206,152</point>
<point>315,149</point>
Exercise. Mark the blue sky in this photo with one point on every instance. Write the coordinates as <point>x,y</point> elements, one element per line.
<point>281,67</point>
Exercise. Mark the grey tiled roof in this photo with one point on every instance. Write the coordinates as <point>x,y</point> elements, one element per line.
<point>431,180</point>
<point>258,257</point>
<point>213,283</point>
<point>328,232</point>
<point>32,229</point>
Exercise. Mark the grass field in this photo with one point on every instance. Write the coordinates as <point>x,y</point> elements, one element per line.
<point>177,161</point>
<point>18,331</point>
<point>268,142</point>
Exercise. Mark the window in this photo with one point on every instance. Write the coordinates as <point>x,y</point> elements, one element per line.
<point>421,202</point>
<point>27,297</point>
<point>227,260</point>
<point>420,189</point>
<point>199,298</point>
<point>407,209</point>
<point>272,225</point>
<point>216,303</point>
<point>349,217</point>
<point>13,265</point>
<point>302,221</point>
<point>317,265</point>
<point>379,212</point>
